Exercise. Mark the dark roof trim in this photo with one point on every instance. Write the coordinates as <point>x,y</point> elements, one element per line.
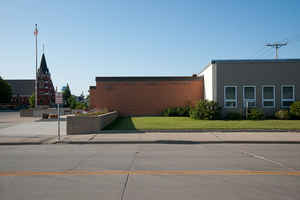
<point>149,78</point>
<point>23,87</point>
<point>255,61</point>
<point>92,87</point>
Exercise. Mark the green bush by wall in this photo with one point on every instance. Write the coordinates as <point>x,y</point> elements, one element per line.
<point>208,110</point>
<point>177,111</point>
<point>295,110</point>
<point>255,114</point>
<point>234,116</point>
<point>282,114</point>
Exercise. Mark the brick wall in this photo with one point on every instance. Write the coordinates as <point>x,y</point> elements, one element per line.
<point>92,92</point>
<point>133,96</point>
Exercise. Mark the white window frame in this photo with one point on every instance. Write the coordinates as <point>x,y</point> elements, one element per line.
<point>249,100</point>
<point>230,100</point>
<point>269,100</point>
<point>282,99</point>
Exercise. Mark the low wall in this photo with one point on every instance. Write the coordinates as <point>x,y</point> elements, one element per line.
<point>87,124</point>
<point>26,113</point>
<point>39,112</point>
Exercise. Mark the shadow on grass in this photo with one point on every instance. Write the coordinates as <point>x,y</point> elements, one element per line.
<point>122,123</point>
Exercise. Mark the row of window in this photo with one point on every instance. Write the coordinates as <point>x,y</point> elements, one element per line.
<point>268,96</point>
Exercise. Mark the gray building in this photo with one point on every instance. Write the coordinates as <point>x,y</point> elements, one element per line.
<point>266,84</point>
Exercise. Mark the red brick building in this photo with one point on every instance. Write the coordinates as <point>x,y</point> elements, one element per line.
<point>23,89</point>
<point>145,95</point>
<point>46,91</point>
<point>93,98</point>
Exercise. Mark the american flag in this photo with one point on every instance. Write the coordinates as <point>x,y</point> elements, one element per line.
<point>36,31</point>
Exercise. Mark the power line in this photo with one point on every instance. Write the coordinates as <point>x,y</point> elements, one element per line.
<point>276,45</point>
<point>288,40</point>
<point>266,51</point>
<point>259,52</point>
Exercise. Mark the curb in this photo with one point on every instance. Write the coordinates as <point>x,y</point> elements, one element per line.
<point>151,142</point>
<point>198,131</point>
<point>178,142</point>
<point>20,143</point>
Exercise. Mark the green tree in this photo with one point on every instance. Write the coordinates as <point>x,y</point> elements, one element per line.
<point>32,100</point>
<point>66,95</point>
<point>5,91</point>
<point>72,102</point>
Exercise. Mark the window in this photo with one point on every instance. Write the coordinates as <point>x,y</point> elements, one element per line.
<point>230,96</point>
<point>287,95</point>
<point>249,93</point>
<point>268,96</point>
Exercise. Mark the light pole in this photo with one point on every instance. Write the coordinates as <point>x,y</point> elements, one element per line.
<point>36,66</point>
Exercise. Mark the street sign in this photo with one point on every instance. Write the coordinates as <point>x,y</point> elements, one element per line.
<point>58,98</point>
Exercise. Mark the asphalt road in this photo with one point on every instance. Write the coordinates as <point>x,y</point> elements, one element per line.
<point>150,171</point>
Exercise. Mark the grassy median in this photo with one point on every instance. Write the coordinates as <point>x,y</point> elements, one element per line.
<point>185,123</point>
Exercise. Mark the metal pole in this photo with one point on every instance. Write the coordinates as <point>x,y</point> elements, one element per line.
<point>58,119</point>
<point>276,47</point>
<point>36,77</point>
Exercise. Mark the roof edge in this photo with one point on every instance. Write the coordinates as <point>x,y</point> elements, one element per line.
<point>255,60</point>
<point>148,78</point>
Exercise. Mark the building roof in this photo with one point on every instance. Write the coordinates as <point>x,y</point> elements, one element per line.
<point>43,66</point>
<point>251,61</point>
<point>256,61</point>
<point>148,78</point>
<point>22,87</point>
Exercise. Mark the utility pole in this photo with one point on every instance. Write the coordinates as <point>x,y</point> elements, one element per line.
<point>276,45</point>
<point>36,66</point>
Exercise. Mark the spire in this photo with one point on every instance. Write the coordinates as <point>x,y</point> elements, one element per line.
<point>43,66</point>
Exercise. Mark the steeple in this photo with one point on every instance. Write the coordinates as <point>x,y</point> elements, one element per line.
<point>43,66</point>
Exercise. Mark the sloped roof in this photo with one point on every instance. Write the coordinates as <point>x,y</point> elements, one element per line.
<point>23,87</point>
<point>43,66</point>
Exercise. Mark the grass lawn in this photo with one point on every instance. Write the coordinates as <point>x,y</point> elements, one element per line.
<point>185,123</point>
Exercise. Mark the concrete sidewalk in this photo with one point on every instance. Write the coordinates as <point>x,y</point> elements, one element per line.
<point>176,138</point>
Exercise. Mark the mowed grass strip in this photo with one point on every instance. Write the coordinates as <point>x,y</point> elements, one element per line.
<point>186,123</point>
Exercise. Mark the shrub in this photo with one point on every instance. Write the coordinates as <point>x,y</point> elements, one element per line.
<point>204,109</point>
<point>169,112</point>
<point>295,110</point>
<point>234,116</point>
<point>282,114</point>
<point>82,106</point>
<point>177,111</point>
<point>255,114</point>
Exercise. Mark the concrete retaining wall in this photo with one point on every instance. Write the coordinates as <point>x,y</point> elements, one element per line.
<point>86,124</point>
<point>39,112</point>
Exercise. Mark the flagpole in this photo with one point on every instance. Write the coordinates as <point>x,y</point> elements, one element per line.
<point>36,58</point>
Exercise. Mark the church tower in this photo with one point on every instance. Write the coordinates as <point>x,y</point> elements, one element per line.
<point>45,88</point>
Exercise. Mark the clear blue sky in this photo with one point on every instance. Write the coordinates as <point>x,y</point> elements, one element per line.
<point>85,39</point>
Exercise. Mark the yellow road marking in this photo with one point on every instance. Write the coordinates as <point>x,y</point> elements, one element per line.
<point>150,172</point>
